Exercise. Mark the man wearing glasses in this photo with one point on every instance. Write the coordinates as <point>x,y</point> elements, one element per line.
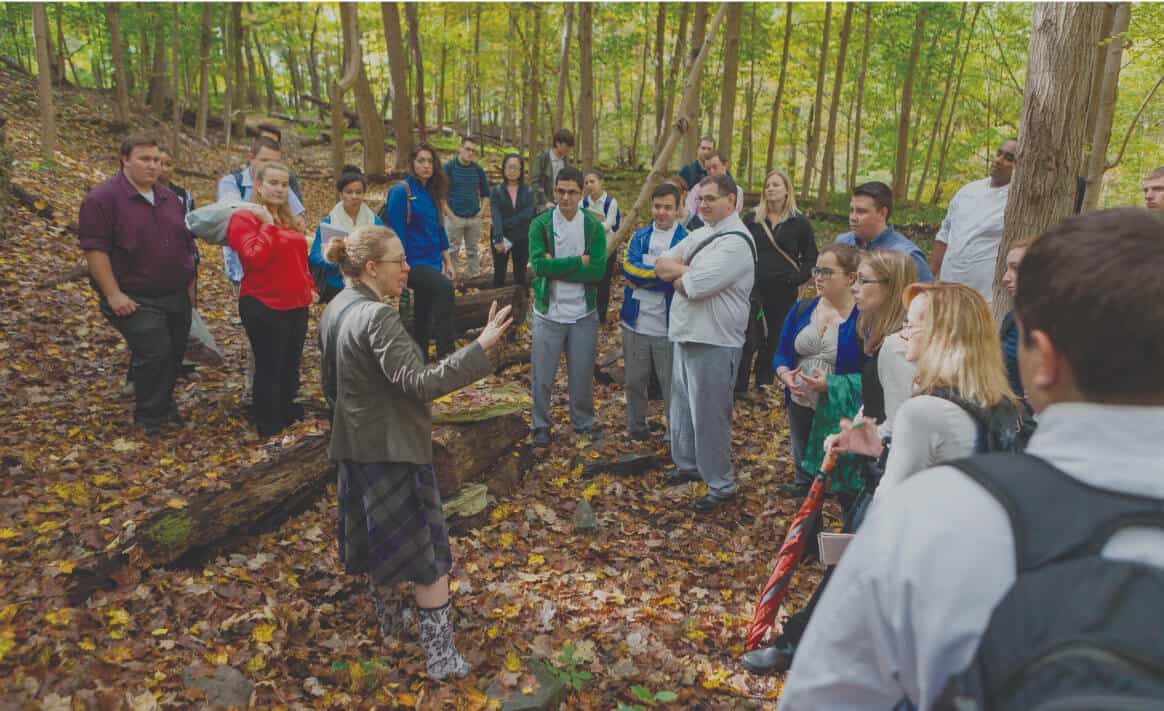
<point>468,203</point>
<point>567,253</point>
<point>712,271</point>
<point>966,246</point>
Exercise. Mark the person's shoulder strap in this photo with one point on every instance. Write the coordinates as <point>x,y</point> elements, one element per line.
<point>772,239</point>
<point>606,203</point>
<point>1007,324</point>
<point>979,415</point>
<point>744,236</point>
<point>1053,516</point>
<point>407,202</point>
<point>238,181</point>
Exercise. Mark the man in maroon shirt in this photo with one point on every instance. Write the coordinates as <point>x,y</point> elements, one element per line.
<point>141,264</point>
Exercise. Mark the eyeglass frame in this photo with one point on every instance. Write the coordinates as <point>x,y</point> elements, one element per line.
<point>862,281</point>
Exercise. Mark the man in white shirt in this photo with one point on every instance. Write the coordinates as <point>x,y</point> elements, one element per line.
<point>712,271</point>
<point>567,248</point>
<point>645,305</point>
<point>909,602</point>
<point>966,246</point>
<point>716,164</point>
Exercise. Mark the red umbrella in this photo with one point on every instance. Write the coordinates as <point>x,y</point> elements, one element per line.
<point>803,525</point>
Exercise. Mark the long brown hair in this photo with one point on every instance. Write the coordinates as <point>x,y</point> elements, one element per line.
<point>896,271</point>
<point>962,351</point>
<point>281,213</point>
<point>438,185</point>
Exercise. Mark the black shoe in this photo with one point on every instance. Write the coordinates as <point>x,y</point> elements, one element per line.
<point>541,437</point>
<point>639,435</point>
<point>149,426</point>
<point>769,660</point>
<point>711,502</point>
<point>796,491</point>
<point>675,476</point>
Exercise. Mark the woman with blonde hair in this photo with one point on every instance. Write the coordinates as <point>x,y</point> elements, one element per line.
<point>785,254</point>
<point>961,387</point>
<point>274,295</point>
<point>391,526</point>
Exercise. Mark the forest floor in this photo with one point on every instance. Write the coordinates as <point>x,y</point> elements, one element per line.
<point>657,598</point>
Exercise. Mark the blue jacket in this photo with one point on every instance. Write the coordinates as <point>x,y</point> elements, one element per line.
<point>641,275</point>
<point>892,239</point>
<point>335,277</point>
<point>850,356</point>
<point>424,236</point>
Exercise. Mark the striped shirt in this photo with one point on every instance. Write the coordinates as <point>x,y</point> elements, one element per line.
<point>467,185</point>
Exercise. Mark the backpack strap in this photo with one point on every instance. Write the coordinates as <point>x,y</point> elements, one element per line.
<point>1053,516</point>
<point>238,181</point>
<point>980,416</point>
<point>699,247</point>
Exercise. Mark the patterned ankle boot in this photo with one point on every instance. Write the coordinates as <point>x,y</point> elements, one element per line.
<point>436,637</point>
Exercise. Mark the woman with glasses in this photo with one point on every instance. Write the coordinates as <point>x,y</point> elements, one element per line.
<point>886,382</point>
<point>273,297</point>
<point>819,338</point>
<point>511,202</point>
<point>391,526</point>
<point>785,254</point>
<point>413,212</point>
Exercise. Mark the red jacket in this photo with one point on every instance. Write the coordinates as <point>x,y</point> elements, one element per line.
<point>274,261</point>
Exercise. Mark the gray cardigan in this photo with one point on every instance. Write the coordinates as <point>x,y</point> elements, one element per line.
<point>383,387</point>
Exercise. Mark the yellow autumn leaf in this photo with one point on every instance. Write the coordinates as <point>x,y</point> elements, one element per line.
<point>8,612</point>
<point>492,632</point>
<point>60,617</point>
<point>715,679</point>
<point>263,633</point>
<point>7,534</point>
<point>117,616</point>
<point>219,657</point>
<point>590,492</point>
<point>160,632</point>
<point>406,699</point>
<point>727,594</point>
<point>512,661</point>
<point>536,559</point>
<point>176,503</point>
<point>506,539</point>
<point>696,635</point>
<point>87,645</point>
<point>66,566</point>
<point>7,642</point>
<point>256,663</point>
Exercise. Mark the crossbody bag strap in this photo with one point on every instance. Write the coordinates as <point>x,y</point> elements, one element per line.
<point>772,239</point>
<point>699,248</point>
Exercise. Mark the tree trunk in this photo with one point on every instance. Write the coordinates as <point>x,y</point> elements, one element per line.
<point>777,103</point>
<point>533,137</point>
<point>937,196</point>
<point>228,75</point>
<point>268,76</point>
<point>814,131</point>
<point>941,107</point>
<point>688,110</point>
<point>634,155</point>
<point>747,160</point>
<point>159,88</point>
<point>672,79</point>
<point>441,74</point>
<point>253,100</point>
<point>353,70</point>
<point>397,64</point>
<point>585,85</point>
<point>204,71</point>
<point>860,99</point>
<point>313,61</point>
<point>240,116</point>
<point>57,59</point>
<point>1101,53</point>
<point>1097,161</point>
<point>731,72</point>
<point>144,54</point>
<point>371,125</point>
<point>826,170</point>
<point>44,78</point>
<point>120,87</point>
<point>660,38</point>
<point>563,67</point>
<point>698,34</point>
<point>901,162</point>
<point>410,14</point>
<point>1059,66</point>
<point>478,109</point>
<point>176,108</point>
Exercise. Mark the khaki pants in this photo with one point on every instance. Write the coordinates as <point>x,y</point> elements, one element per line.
<point>467,231</point>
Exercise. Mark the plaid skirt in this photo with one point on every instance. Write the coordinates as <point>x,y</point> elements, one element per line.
<point>390,523</point>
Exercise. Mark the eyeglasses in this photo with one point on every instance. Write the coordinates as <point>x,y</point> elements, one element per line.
<point>566,193</point>
<point>862,281</point>
<point>708,199</point>
<point>400,261</point>
<point>823,272</point>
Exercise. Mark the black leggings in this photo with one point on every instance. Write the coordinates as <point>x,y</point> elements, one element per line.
<point>764,336</point>
<point>433,304</point>
<point>277,339</point>
<point>519,255</point>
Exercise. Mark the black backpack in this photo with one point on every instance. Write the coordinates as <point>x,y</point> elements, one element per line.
<point>1075,631</point>
<point>1006,427</point>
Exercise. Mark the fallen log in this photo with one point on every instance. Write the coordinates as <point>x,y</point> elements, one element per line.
<point>33,202</point>
<point>482,444</point>
<point>472,310</point>
<point>623,465</point>
<point>485,281</point>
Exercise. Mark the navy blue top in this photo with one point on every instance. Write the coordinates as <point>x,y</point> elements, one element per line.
<point>467,185</point>
<point>850,356</point>
<point>1009,335</point>
<point>424,236</point>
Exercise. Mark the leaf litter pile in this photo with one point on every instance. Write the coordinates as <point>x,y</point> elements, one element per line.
<point>649,610</point>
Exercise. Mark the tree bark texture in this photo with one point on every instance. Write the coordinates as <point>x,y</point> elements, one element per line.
<point>563,66</point>
<point>1059,66</point>
<point>176,107</point>
<point>672,79</point>
<point>901,162</point>
<point>204,71</point>
<point>1101,48</point>
<point>1109,88</point>
<point>239,84</point>
<point>731,72</point>
<point>586,85</point>
<point>688,110</point>
<point>698,34</point>
<point>120,87</point>
<point>860,98</point>
<point>397,66</point>
<point>44,79</point>
<point>814,131</point>
<point>410,14</point>
<point>660,38</point>
<point>777,103</point>
<point>352,70</point>
<point>826,170</point>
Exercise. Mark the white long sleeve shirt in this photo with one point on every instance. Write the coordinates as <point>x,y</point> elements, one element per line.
<point>908,603</point>
<point>972,232</point>
<point>718,282</point>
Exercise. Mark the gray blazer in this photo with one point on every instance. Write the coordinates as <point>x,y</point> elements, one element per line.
<point>383,387</point>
